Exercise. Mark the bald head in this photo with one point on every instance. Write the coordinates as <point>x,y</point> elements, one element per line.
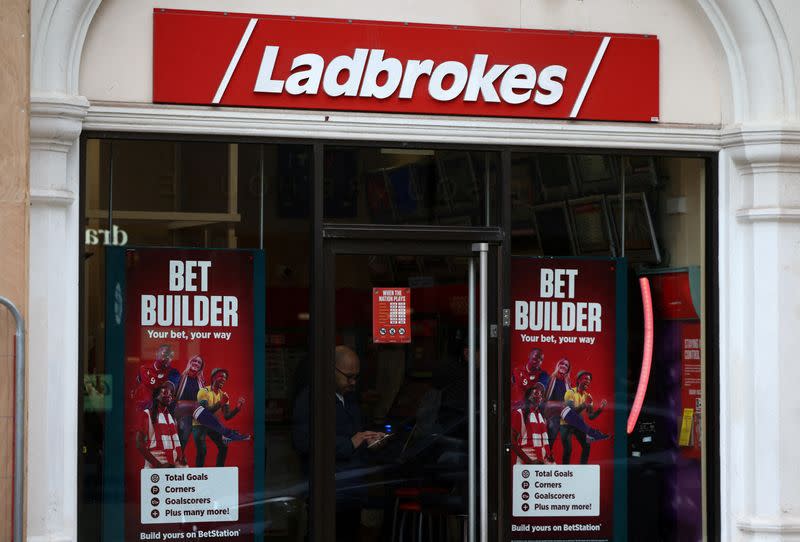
<point>348,368</point>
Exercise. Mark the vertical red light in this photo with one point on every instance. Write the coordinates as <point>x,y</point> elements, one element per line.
<point>647,354</point>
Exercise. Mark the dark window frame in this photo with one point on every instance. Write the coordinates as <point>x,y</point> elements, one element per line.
<point>323,234</point>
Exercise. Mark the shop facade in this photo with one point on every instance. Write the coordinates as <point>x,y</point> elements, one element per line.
<point>442,203</point>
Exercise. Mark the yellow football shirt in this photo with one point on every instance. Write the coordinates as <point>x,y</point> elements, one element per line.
<point>576,397</point>
<point>210,397</point>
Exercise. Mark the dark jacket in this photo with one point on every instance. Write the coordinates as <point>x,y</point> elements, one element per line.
<point>348,423</point>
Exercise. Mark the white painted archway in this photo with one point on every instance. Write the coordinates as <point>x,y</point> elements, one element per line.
<point>759,263</point>
<point>759,260</point>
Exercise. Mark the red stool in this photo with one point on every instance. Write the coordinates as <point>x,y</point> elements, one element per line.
<point>411,505</point>
<point>402,493</point>
<point>414,508</point>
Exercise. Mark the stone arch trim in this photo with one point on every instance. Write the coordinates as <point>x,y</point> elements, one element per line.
<point>759,58</point>
<point>58,32</point>
<point>784,54</point>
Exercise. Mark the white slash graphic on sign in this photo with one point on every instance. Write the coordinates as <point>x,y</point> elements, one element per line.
<point>590,76</point>
<point>234,61</point>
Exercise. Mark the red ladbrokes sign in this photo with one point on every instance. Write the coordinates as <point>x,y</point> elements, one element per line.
<point>303,63</point>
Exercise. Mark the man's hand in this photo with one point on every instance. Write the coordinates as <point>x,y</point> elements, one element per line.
<point>240,402</point>
<point>364,436</point>
<point>224,400</point>
<point>603,403</point>
<point>377,438</point>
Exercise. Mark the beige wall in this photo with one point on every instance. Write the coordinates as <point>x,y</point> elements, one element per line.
<point>117,61</point>
<point>683,228</point>
<point>14,55</point>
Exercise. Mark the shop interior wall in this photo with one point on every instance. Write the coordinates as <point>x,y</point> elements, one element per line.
<point>116,64</point>
<point>683,228</point>
<point>14,55</point>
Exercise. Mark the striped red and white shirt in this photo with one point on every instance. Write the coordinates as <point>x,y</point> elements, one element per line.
<point>531,434</point>
<point>162,437</point>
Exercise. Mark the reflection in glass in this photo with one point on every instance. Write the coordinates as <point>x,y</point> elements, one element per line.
<point>660,232</point>
<point>214,195</point>
<point>410,186</point>
<point>416,392</point>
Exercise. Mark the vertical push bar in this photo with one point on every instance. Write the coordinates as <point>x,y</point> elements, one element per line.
<point>471,464</point>
<point>483,389</point>
<point>19,416</point>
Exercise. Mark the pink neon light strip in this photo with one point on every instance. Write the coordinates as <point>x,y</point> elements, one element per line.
<point>647,354</point>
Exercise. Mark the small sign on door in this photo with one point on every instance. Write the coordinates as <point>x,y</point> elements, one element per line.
<point>391,315</point>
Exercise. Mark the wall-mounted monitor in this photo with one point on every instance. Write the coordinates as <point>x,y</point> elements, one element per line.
<point>640,172</point>
<point>556,176</point>
<point>594,235</point>
<point>403,186</point>
<point>458,186</point>
<point>639,236</point>
<point>554,229</point>
<point>522,196</point>
<point>341,188</point>
<point>596,174</point>
<point>379,198</point>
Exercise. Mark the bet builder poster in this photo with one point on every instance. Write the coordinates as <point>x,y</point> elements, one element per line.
<point>185,330</point>
<point>567,399</point>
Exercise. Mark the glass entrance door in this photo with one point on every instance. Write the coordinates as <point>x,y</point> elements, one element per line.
<point>402,402</point>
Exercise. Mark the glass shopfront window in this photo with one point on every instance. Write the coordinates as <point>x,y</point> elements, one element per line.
<point>199,195</point>
<point>651,212</point>
<point>452,233</point>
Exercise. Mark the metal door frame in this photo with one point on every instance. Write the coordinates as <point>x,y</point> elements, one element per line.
<point>484,249</point>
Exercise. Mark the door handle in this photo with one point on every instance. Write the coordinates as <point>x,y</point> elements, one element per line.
<point>478,503</point>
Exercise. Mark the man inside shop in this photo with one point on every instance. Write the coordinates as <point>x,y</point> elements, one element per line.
<point>351,440</point>
<point>351,444</point>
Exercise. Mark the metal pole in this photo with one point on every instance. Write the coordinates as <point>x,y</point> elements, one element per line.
<point>110,186</point>
<point>261,196</point>
<point>486,191</point>
<point>622,205</point>
<point>19,417</point>
<point>483,388</point>
<point>471,508</point>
